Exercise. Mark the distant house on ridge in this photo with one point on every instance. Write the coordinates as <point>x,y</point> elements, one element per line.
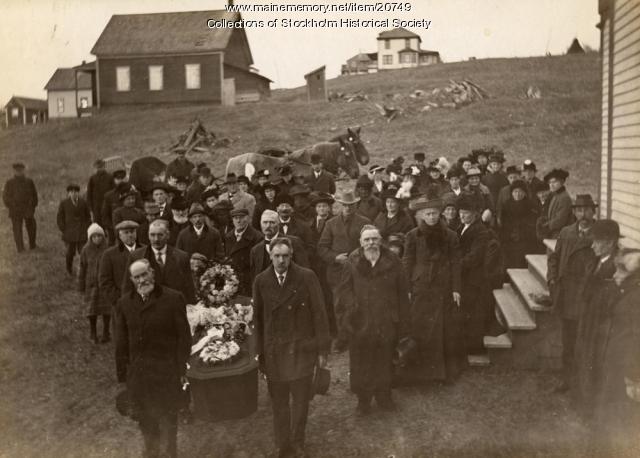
<point>70,91</point>
<point>175,58</point>
<point>400,48</point>
<point>24,110</point>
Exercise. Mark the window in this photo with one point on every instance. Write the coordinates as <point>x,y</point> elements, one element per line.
<point>408,58</point>
<point>387,44</point>
<point>407,42</point>
<point>15,112</point>
<point>387,59</point>
<point>60,105</point>
<point>155,77</point>
<point>123,82</point>
<point>192,76</point>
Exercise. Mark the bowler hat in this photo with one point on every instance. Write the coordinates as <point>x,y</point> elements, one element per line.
<point>347,198</point>
<point>196,209</point>
<point>98,163</point>
<point>18,166</point>
<point>605,229</point>
<point>73,187</point>
<point>204,171</point>
<point>540,186</point>
<point>512,169</point>
<point>231,178</point>
<point>270,185</point>
<point>239,212</point>
<point>182,179</point>
<point>584,200</point>
<point>364,182</point>
<point>320,197</point>
<point>496,158</point>
<point>283,198</point>
<point>159,185</point>
<point>467,202</point>
<point>528,164</point>
<point>179,203</point>
<point>433,167</point>
<point>299,190</point>
<point>390,193</point>
<point>558,174</point>
<point>263,173</point>
<point>126,224</point>
<point>321,380</point>
<point>455,171</point>
<point>518,184</point>
<point>449,200</point>
<point>244,179</point>
<point>316,158</point>
<point>285,170</point>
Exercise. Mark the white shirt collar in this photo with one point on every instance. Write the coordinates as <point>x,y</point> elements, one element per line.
<point>198,231</point>
<point>130,248</point>
<point>163,251</point>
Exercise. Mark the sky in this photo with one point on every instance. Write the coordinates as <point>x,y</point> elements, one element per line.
<point>38,36</point>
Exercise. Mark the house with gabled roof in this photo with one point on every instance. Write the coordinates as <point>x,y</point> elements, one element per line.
<point>400,48</point>
<point>165,58</point>
<point>70,91</point>
<point>25,110</point>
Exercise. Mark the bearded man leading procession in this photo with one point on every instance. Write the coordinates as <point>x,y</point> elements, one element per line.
<point>20,197</point>
<point>568,268</point>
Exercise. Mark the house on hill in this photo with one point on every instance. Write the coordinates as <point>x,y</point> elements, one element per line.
<point>361,63</point>
<point>24,110</point>
<point>70,91</point>
<point>175,58</point>
<point>400,48</point>
<point>619,185</point>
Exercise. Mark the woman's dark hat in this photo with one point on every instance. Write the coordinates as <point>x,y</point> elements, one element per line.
<point>558,174</point>
<point>518,184</point>
<point>605,229</point>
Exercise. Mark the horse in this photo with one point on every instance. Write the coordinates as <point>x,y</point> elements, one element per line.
<point>353,136</point>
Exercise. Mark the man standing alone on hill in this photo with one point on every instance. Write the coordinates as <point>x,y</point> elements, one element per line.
<point>21,199</point>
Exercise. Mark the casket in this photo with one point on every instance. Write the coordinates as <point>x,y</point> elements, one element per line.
<point>227,390</point>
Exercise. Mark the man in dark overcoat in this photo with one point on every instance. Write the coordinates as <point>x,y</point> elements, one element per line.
<point>476,295</point>
<point>180,166</point>
<point>153,343</point>
<point>260,256</point>
<point>113,263</point>
<point>127,209</point>
<point>170,264</point>
<point>292,337</point>
<point>290,223</point>
<point>99,184</point>
<point>320,180</point>
<point>21,199</point>
<point>200,238</point>
<point>238,244</point>
<point>74,217</point>
<point>559,212</point>
<point>568,268</point>
<point>371,306</point>
<point>432,262</point>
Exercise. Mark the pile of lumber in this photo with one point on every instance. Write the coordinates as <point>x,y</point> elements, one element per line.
<point>455,95</point>
<point>198,139</point>
<point>358,96</point>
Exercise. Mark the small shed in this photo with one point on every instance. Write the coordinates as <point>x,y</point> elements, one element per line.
<point>316,84</point>
<point>24,110</point>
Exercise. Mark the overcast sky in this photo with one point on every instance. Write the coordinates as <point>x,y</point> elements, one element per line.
<point>38,36</point>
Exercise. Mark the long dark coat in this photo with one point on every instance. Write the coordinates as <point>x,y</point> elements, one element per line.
<point>325,182</point>
<point>73,220</point>
<point>476,293</point>
<point>176,273</point>
<point>337,239</point>
<point>259,258</point>
<point>175,229</point>
<point>569,266</point>
<point>560,213</point>
<point>95,300</point>
<point>209,243</point>
<point>402,222</point>
<point>372,305</point>
<point>319,266</point>
<point>517,231</point>
<point>153,343</point>
<point>238,252</point>
<point>20,197</point>
<point>617,417</point>
<point>495,182</point>
<point>599,296</point>
<point>290,322</point>
<point>99,184</point>
<point>113,265</point>
<point>432,262</point>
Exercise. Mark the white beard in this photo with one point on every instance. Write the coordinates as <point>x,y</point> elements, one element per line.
<point>372,254</point>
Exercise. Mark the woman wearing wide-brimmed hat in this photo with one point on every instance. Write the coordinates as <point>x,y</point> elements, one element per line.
<point>394,219</point>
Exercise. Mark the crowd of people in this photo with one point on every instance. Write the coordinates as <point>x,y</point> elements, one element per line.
<point>401,276</point>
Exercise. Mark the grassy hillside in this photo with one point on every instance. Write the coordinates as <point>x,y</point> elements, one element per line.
<point>58,389</point>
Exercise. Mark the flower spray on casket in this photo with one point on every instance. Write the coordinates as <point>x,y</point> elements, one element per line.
<point>218,322</point>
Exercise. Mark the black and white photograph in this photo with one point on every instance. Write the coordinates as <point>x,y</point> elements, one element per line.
<point>320,228</point>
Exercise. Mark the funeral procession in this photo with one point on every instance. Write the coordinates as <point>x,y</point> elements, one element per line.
<point>320,228</point>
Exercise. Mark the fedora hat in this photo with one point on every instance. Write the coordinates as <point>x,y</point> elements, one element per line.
<point>321,197</point>
<point>512,169</point>
<point>518,184</point>
<point>423,202</point>
<point>231,178</point>
<point>467,202</point>
<point>321,380</point>
<point>347,198</point>
<point>584,200</point>
<point>605,229</point>
<point>364,182</point>
<point>196,209</point>
<point>558,174</point>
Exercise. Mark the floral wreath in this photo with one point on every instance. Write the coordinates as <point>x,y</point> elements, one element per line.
<point>218,285</point>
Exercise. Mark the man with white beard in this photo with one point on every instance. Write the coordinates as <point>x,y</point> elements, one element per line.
<point>153,343</point>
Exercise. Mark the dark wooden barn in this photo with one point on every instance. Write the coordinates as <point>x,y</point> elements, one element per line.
<point>316,84</point>
<point>174,58</point>
<point>24,110</point>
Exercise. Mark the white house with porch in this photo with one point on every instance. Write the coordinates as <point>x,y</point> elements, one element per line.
<point>400,48</point>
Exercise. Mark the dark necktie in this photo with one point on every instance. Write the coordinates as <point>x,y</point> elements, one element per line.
<point>159,260</point>
<point>281,280</point>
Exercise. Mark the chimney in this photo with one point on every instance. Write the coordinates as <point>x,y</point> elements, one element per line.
<point>84,62</point>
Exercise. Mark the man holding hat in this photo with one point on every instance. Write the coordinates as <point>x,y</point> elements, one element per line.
<point>21,199</point>
<point>74,217</point>
<point>369,205</point>
<point>200,238</point>
<point>432,261</point>
<point>568,268</point>
<point>180,166</point>
<point>559,214</point>
<point>395,219</point>
<point>600,293</point>
<point>237,244</point>
<point>128,209</point>
<point>113,262</point>
<point>99,184</point>
<point>320,180</point>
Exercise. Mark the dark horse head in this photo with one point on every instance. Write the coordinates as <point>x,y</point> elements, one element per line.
<point>353,138</point>
<point>346,158</point>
